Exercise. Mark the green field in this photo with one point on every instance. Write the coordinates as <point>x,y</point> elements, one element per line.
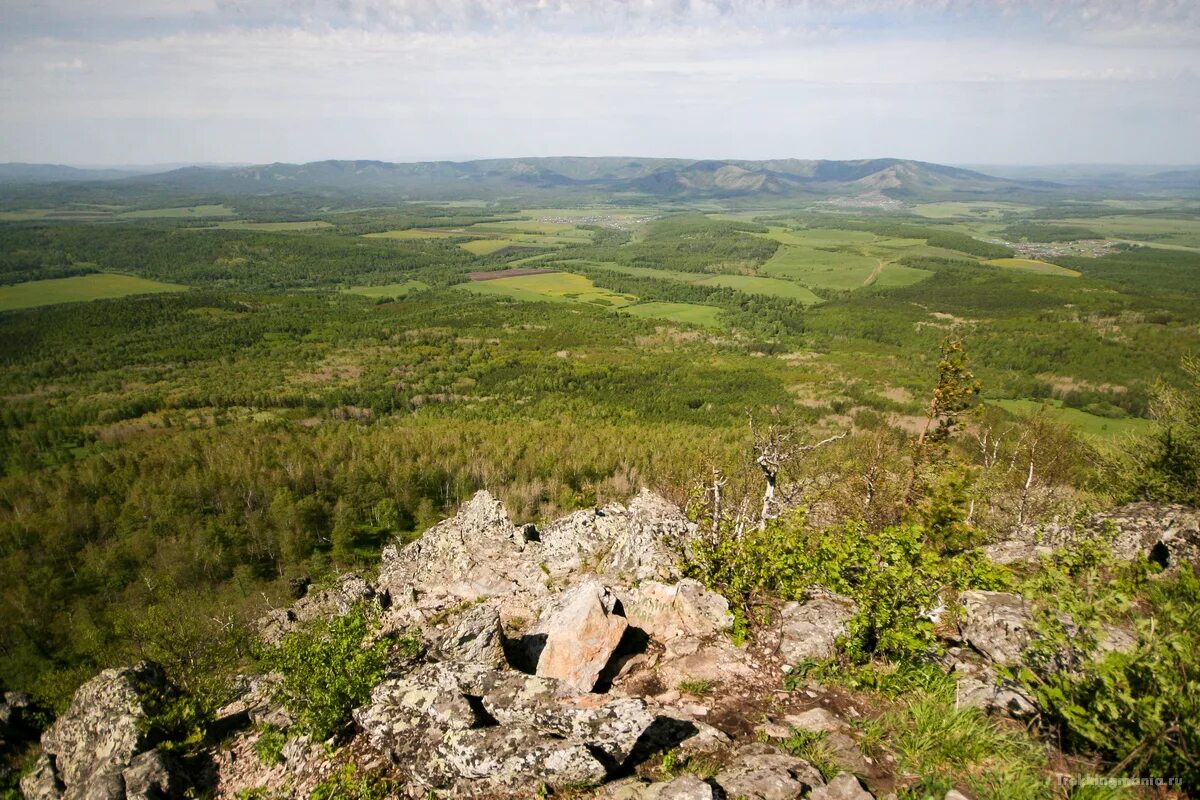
<point>1031,265</point>
<point>284,227</point>
<point>976,210</point>
<point>555,286</point>
<point>690,313</point>
<point>773,287</point>
<point>485,247</point>
<point>1082,421</point>
<point>99,286</point>
<point>414,233</point>
<point>185,212</point>
<point>388,290</point>
<point>821,268</point>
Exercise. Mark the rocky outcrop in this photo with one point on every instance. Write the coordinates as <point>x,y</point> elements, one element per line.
<point>337,600</point>
<point>685,787</point>
<point>474,637</point>
<point>578,635</point>
<point>1166,534</point>
<point>454,723</point>
<point>809,630</point>
<point>100,749</point>
<point>638,543</point>
<point>476,554</point>
<point>762,772</point>
<point>996,624</point>
<point>670,611</point>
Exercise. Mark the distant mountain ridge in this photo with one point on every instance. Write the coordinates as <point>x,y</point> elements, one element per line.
<point>655,178</point>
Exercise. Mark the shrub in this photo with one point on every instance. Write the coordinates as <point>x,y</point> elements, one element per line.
<point>328,669</point>
<point>348,784</point>
<point>269,746</point>
<point>896,578</point>
<point>1137,708</point>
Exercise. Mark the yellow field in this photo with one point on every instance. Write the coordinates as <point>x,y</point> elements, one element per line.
<point>1030,265</point>
<point>484,247</point>
<point>414,233</point>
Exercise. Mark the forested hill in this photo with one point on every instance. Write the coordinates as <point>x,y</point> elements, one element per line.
<point>633,177</point>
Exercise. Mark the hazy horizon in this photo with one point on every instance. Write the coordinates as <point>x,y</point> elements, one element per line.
<point>1001,82</point>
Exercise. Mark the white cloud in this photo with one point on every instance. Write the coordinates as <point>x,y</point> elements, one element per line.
<point>297,79</point>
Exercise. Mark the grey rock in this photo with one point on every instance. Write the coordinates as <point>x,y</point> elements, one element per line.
<point>642,542</point>
<point>476,636</point>
<point>761,772</point>
<point>350,590</point>
<point>996,624</point>
<point>816,720</point>
<point>581,632</point>
<point>955,794</point>
<point>152,775</point>
<point>89,747</point>
<point>476,554</point>
<point>843,786</point>
<point>511,755</point>
<point>42,783</point>
<point>809,630</point>
<point>1165,533</point>
<point>684,787</point>
<point>449,723</point>
<point>978,686</point>
<point>669,611</point>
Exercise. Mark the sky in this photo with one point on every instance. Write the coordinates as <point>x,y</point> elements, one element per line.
<point>108,82</point>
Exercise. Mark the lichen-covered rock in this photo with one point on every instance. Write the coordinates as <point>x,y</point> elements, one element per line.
<point>476,554</point>
<point>512,755</point>
<point>638,543</point>
<point>843,786</point>
<point>685,787</point>
<point>337,600</point>
<point>996,624</point>
<point>41,782</point>
<point>581,632</point>
<point>667,612</point>
<point>476,636</point>
<point>809,630</point>
<point>89,747</point>
<point>153,775</point>
<point>762,772</point>
<point>1164,533</point>
<point>448,723</point>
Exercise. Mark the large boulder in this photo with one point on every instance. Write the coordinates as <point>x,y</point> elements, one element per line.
<point>454,723</point>
<point>762,772</point>
<point>666,612</point>
<point>475,636</point>
<point>996,624</point>
<point>476,554</point>
<point>91,750</point>
<point>810,629</point>
<point>578,635</point>
<point>685,787</point>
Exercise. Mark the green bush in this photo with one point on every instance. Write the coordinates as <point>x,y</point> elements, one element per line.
<point>269,746</point>
<point>893,574</point>
<point>329,669</point>
<point>1138,708</point>
<point>348,784</point>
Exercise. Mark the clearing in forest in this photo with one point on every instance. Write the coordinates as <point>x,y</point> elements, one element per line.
<point>690,313</point>
<point>97,286</point>
<point>554,286</point>
<point>396,290</point>
<point>1030,265</point>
